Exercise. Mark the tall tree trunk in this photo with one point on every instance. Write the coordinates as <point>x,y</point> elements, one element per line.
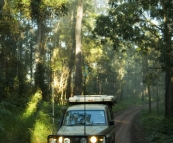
<point>157,88</point>
<point>149,95</point>
<point>72,58</point>
<point>3,67</point>
<point>38,56</point>
<point>168,95</point>
<point>38,44</point>
<point>39,74</point>
<point>78,54</point>
<point>31,63</point>
<point>167,51</point>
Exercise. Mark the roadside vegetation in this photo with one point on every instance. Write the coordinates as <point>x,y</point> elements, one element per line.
<point>27,121</point>
<point>124,104</point>
<point>158,129</point>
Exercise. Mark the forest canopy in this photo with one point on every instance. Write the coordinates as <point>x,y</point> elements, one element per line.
<point>122,44</point>
<point>148,25</point>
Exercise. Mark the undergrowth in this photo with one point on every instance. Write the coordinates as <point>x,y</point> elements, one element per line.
<point>158,129</point>
<point>27,122</point>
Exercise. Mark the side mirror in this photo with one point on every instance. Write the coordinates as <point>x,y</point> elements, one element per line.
<point>63,109</point>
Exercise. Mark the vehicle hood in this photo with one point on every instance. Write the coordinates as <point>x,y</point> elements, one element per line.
<point>79,130</point>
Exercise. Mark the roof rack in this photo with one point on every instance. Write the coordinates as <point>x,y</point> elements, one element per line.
<point>105,99</point>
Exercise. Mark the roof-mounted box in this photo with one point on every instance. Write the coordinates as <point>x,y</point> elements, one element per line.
<point>92,99</point>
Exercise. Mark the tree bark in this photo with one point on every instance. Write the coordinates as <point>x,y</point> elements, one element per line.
<point>169,95</point>
<point>157,91</point>
<point>78,53</point>
<point>71,63</point>
<point>39,60</point>
<point>149,95</point>
<point>168,56</point>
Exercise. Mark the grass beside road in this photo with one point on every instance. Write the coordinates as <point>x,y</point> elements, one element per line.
<point>158,129</point>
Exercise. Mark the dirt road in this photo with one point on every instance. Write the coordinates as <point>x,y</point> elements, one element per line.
<point>123,121</point>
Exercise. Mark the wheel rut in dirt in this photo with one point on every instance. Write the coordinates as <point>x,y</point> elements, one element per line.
<point>123,122</point>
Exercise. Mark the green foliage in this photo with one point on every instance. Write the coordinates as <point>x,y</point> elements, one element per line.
<point>104,26</point>
<point>31,123</point>
<point>121,105</point>
<point>3,112</point>
<point>147,25</point>
<point>40,9</point>
<point>150,78</point>
<point>133,20</point>
<point>157,127</point>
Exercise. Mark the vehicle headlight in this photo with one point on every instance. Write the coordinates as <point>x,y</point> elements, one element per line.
<point>60,139</point>
<point>97,139</point>
<point>93,139</point>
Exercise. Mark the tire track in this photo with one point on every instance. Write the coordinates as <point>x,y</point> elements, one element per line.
<point>123,122</point>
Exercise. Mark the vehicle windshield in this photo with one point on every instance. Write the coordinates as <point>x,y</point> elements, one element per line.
<point>88,117</point>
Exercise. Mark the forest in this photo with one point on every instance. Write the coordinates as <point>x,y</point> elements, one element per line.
<point>51,50</point>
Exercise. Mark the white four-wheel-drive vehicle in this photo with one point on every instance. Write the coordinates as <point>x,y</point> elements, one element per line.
<point>89,119</point>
